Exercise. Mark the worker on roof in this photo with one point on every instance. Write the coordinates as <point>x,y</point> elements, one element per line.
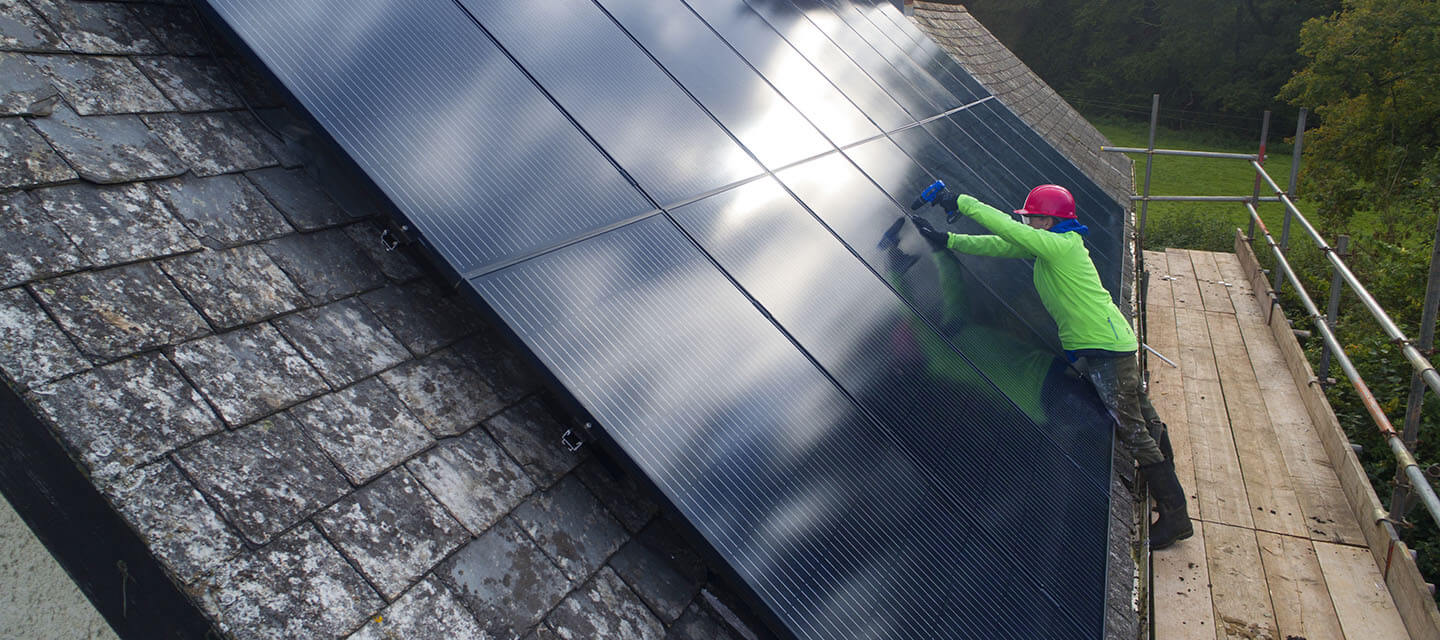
<point>1096,337</point>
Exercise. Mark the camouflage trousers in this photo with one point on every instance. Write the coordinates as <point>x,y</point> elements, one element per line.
<point>1117,380</point>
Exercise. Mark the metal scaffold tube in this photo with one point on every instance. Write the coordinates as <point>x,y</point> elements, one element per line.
<point>1400,500</point>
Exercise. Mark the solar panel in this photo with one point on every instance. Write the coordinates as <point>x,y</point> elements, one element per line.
<point>650,196</point>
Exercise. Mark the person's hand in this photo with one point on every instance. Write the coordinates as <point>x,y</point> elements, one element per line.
<point>938,239</point>
<point>938,193</point>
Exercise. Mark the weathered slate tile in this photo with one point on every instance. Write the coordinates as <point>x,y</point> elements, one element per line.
<point>421,315</point>
<point>98,27</point>
<point>364,429</point>
<point>248,373</point>
<point>699,624</point>
<point>604,608</point>
<point>116,312</point>
<point>297,587</point>
<point>264,478</point>
<point>31,246</point>
<point>505,579</point>
<point>302,201</point>
<point>23,29</point>
<point>174,520</point>
<point>177,27</point>
<point>572,527</point>
<point>510,377</point>
<point>134,412</point>
<point>393,530</point>
<point>662,570</point>
<point>399,265</point>
<point>223,210</point>
<point>25,158</point>
<point>343,340</point>
<point>326,265</point>
<point>24,90</point>
<point>192,84</point>
<point>234,286</point>
<point>448,396</point>
<point>283,136</point>
<point>473,478</point>
<point>94,85</point>
<point>531,436</point>
<point>619,492</point>
<point>116,224</point>
<point>429,610</point>
<point>211,143</point>
<point>32,347</point>
<point>109,149</point>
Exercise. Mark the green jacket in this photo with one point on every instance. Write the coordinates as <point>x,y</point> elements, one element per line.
<point>1065,277</point>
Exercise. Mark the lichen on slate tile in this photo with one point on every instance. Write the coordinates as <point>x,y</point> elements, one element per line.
<point>192,84</point>
<point>505,580</point>
<point>98,27</point>
<point>31,246</point>
<point>343,340</point>
<point>94,85</point>
<point>249,372</point>
<point>24,90</point>
<point>119,311</point>
<point>364,429</point>
<point>133,412</point>
<point>430,609</point>
<point>234,286</point>
<point>23,29</point>
<point>421,315</point>
<point>326,265</point>
<point>174,520</point>
<point>532,436</point>
<point>474,478</point>
<point>109,149</point>
<point>446,394</point>
<point>223,210</point>
<point>116,224</point>
<point>392,530</point>
<point>211,143</point>
<point>32,347</point>
<point>26,160</point>
<point>264,478</point>
<point>572,527</point>
<point>604,608</point>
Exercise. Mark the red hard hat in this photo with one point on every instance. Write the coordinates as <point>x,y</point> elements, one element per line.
<point>1049,200</point>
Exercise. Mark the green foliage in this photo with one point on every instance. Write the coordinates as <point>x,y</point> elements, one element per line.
<point>1210,55</point>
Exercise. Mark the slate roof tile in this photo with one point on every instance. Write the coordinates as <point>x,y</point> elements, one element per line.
<point>699,624</point>
<point>24,90</point>
<point>192,84</point>
<point>32,347</point>
<point>174,520</point>
<point>630,504</point>
<point>31,246</point>
<point>572,527</point>
<point>211,143</point>
<point>421,315</point>
<point>119,311</point>
<point>297,587</point>
<point>302,201</point>
<point>25,158</point>
<point>662,570</point>
<point>116,224</point>
<point>604,608</point>
<point>222,210</point>
<point>364,429</point>
<point>234,286</point>
<point>399,264</point>
<point>108,149</point>
<point>264,478</point>
<point>177,27</point>
<point>94,85</point>
<point>510,377</point>
<point>531,436</point>
<point>24,30</point>
<point>326,265</point>
<point>474,478</point>
<point>446,394</point>
<point>134,412</point>
<point>393,530</point>
<point>98,27</point>
<point>249,372</point>
<point>505,580</point>
<point>430,609</point>
<point>343,340</point>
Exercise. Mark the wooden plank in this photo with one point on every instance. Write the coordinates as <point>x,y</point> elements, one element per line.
<point>1242,596</point>
<point>1186,291</point>
<point>1298,591</point>
<point>1158,293</point>
<point>1167,393</point>
<point>1197,357</point>
<point>1266,478</point>
<point>1362,601</point>
<point>1242,294</point>
<point>1219,485</point>
<point>1184,609</point>
<point>1213,294</point>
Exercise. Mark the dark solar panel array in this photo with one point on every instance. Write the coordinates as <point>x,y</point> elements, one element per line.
<point>688,211</point>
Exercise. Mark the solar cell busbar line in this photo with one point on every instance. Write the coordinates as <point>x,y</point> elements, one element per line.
<point>690,213</point>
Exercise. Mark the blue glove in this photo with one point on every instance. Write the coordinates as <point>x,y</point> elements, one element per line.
<point>938,193</point>
<point>938,239</point>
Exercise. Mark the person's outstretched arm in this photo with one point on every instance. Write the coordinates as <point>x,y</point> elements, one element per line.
<point>1034,242</point>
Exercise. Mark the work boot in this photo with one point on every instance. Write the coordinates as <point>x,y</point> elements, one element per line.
<point>1174,522</point>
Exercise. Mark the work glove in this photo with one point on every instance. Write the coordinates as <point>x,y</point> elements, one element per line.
<point>938,193</point>
<point>938,239</point>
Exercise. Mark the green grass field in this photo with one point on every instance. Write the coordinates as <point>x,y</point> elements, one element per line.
<point>1209,226</point>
